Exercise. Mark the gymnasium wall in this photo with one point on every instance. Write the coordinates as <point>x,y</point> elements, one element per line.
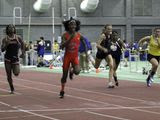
<point>129,17</point>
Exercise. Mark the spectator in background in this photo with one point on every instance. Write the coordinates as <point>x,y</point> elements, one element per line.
<point>35,45</point>
<point>40,51</point>
<point>35,59</point>
<point>55,48</point>
<point>30,50</point>
<point>84,60</point>
<point>134,46</point>
<point>126,53</point>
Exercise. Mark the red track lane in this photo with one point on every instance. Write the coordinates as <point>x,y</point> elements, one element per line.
<point>86,98</point>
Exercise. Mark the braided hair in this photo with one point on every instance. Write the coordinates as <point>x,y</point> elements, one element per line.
<point>68,22</point>
<point>10,29</point>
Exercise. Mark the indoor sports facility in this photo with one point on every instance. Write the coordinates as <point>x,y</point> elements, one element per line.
<point>37,35</point>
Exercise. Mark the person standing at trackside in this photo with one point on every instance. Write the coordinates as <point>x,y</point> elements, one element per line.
<point>153,53</point>
<point>103,52</point>
<point>70,41</point>
<point>11,45</point>
<point>84,60</point>
<point>55,48</point>
<point>30,53</point>
<point>126,53</point>
<point>116,51</point>
<point>40,51</point>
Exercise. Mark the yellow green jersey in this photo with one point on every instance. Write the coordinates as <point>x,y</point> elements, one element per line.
<point>154,48</point>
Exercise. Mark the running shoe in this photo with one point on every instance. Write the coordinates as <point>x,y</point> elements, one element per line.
<point>61,94</point>
<point>148,80</point>
<point>12,89</point>
<point>151,79</point>
<point>110,85</point>
<point>116,83</point>
<point>12,92</point>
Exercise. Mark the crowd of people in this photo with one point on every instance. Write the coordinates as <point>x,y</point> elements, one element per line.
<point>77,52</point>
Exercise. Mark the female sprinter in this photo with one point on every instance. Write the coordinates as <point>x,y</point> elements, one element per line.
<point>70,41</point>
<point>11,44</point>
<point>116,51</point>
<point>103,52</point>
<point>153,53</point>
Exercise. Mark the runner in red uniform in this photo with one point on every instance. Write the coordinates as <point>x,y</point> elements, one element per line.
<point>70,41</point>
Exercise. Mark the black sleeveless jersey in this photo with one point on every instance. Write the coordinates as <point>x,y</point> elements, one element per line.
<point>115,49</point>
<point>106,44</point>
<point>12,50</point>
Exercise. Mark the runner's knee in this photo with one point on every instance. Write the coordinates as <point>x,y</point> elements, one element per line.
<point>63,80</point>
<point>76,71</point>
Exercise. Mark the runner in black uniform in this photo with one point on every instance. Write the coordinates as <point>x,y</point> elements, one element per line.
<point>11,44</point>
<point>116,51</point>
<point>103,52</point>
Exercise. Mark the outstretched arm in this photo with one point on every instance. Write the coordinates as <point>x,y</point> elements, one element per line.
<point>144,39</point>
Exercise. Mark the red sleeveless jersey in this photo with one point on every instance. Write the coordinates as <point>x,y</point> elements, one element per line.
<point>73,46</point>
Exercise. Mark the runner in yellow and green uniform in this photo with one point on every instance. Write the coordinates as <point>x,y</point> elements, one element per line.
<point>153,53</point>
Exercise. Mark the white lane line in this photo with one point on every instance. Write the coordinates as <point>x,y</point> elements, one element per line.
<point>82,90</point>
<point>76,97</point>
<point>26,111</point>
<point>17,93</point>
<point>105,115</point>
<point>80,109</point>
<point>39,115</point>
<point>5,104</point>
<point>146,111</point>
<point>82,97</point>
<point>27,116</point>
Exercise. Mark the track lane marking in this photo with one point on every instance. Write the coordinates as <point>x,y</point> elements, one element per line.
<point>82,97</point>
<point>134,99</point>
<point>105,115</point>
